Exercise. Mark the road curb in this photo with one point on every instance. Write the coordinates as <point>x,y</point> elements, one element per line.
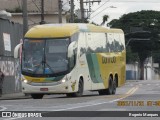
<point>16,98</point>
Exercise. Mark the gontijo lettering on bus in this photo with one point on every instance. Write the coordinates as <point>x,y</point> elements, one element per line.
<point>106,60</point>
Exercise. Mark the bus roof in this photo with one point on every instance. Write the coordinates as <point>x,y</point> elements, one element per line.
<point>65,30</point>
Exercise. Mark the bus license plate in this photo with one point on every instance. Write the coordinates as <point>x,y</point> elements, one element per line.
<point>43,89</point>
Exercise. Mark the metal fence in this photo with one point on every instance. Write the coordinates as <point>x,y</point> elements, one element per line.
<point>10,35</point>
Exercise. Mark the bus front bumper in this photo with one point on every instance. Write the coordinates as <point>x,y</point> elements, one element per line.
<point>54,89</point>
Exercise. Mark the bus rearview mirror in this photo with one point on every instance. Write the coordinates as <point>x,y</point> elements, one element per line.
<point>16,50</point>
<point>71,48</point>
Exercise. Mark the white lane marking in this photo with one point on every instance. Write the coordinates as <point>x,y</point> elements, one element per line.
<point>112,109</point>
<point>128,94</point>
<point>3,108</point>
<point>12,118</point>
<point>81,105</point>
<point>148,84</point>
<point>140,84</point>
<point>157,84</point>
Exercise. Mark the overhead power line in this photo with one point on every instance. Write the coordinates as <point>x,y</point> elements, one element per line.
<point>60,11</point>
<point>65,3</point>
<point>36,5</point>
<point>101,11</point>
<point>140,1</point>
<point>100,7</point>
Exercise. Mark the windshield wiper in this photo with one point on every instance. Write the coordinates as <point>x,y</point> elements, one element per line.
<point>50,68</point>
<point>37,68</point>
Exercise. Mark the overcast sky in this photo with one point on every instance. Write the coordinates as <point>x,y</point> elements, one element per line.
<point>119,7</point>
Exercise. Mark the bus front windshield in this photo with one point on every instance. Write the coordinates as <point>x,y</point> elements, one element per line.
<point>45,57</point>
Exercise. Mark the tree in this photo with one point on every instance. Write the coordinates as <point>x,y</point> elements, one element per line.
<point>146,20</point>
<point>105,18</point>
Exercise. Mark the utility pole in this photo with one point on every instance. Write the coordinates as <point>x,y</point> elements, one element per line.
<point>82,11</point>
<point>25,16</point>
<point>89,2</point>
<point>60,10</point>
<point>72,11</point>
<point>42,12</point>
<point>88,11</point>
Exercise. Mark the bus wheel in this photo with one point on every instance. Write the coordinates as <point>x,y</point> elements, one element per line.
<point>69,95</point>
<point>109,90</point>
<point>37,96</point>
<point>114,86</point>
<point>101,92</point>
<point>79,93</point>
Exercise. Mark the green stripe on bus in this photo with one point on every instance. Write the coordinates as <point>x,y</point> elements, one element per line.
<point>93,68</point>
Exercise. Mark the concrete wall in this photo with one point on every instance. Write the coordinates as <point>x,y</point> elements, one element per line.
<point>13,33</point>
<point>35,18</point>
<point>132,72</point>
<point>11,69</point>
<point>34,11</point>
<point>150,73</point>
<point>50,6</point>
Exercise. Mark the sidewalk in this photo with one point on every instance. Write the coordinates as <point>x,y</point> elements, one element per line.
<point>14,96</point>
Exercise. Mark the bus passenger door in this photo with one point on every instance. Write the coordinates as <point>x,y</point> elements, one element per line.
<point>82,66</point>
<point>95,47</point>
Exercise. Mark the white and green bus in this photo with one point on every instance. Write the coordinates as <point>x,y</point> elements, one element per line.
<point>72,58</point>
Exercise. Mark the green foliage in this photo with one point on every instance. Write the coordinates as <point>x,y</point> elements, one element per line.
<point>105,18</point>
<point>132,57</point>
<point>147,20</point>
<point>15,10</point>
<point>76,20</point>
<point>95,23</point>
<point>18,10</point>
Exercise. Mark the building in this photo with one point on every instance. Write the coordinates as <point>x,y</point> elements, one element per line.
<point>12,32</point>
<point>10,35</point>
<point>34,11</point>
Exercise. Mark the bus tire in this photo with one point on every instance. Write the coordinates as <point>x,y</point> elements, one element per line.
<point>37,96</point>
<point>114,87</point>
<point>101,92</point>
<point>69,95</point>
<point>79,93</point>
<point>109,90</point>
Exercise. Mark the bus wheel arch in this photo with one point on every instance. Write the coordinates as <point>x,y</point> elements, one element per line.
<point>109,90</point>
<point>80,87</point>
<point>114,83</point>
<point>79,93</point>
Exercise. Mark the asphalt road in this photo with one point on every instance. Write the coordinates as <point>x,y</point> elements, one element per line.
<point>133,96</point>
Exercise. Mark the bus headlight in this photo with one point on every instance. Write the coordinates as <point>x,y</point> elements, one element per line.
<point>25,81</point>
<point>63,81</point>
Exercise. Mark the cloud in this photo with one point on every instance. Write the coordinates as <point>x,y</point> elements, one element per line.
<point>125,8</point>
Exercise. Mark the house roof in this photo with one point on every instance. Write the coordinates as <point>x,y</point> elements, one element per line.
<point>50,6</point>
